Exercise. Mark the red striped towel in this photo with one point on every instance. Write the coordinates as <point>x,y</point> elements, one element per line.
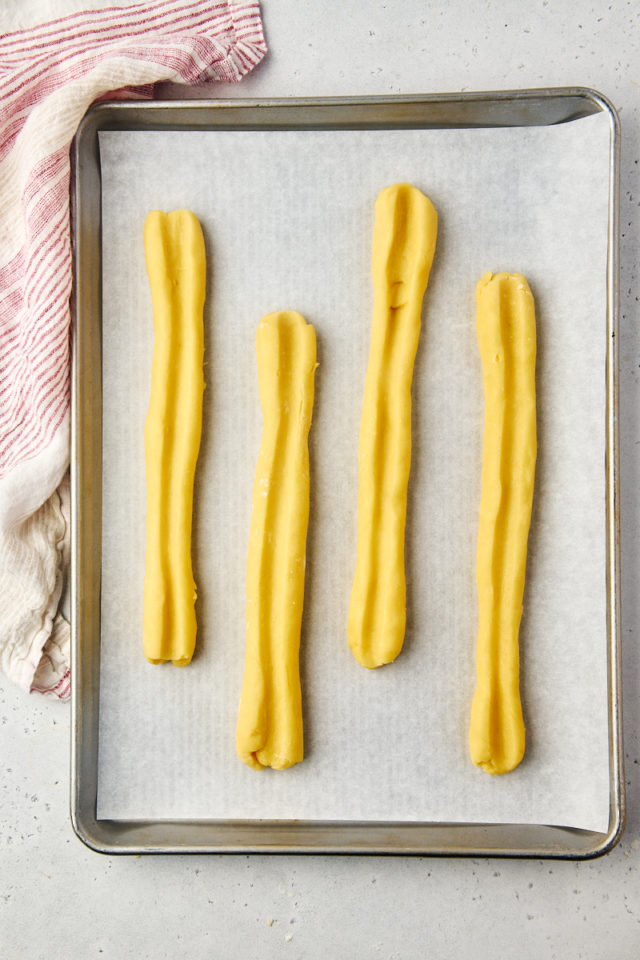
<point>49,75</point>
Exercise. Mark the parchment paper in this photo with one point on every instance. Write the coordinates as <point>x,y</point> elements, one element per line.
<point>288,221</point>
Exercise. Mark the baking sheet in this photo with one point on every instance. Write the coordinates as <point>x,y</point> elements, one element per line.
<point>287,219</point>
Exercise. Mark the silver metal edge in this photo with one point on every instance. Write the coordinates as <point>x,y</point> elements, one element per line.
<point>92,832</point>
<point>599,102</point>
<point>76,660</point>
<point>618,808</point>
<point>84,669</point>
<point>76,686</point>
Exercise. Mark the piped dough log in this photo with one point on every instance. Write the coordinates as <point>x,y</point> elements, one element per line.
<point>269,727</point>
<point>175,258</point>
<point>506,329</point>
<point>404,240</point>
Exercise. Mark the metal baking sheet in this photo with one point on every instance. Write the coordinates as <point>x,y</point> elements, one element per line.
<point>466,111</point>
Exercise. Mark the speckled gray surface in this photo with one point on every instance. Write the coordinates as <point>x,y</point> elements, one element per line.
<point>58,899</point>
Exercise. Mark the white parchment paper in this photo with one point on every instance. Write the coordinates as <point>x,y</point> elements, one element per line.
<point>287,218</point>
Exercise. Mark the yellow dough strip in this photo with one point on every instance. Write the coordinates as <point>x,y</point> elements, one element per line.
<point>404,240</point>
<point>505,322</point>
<point>176,267</point>
<point>269,727</point>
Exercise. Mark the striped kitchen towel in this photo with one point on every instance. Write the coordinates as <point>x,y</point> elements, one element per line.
<point>49,75</point>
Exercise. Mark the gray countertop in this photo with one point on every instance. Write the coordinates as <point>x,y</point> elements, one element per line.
<point>59,899</point>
